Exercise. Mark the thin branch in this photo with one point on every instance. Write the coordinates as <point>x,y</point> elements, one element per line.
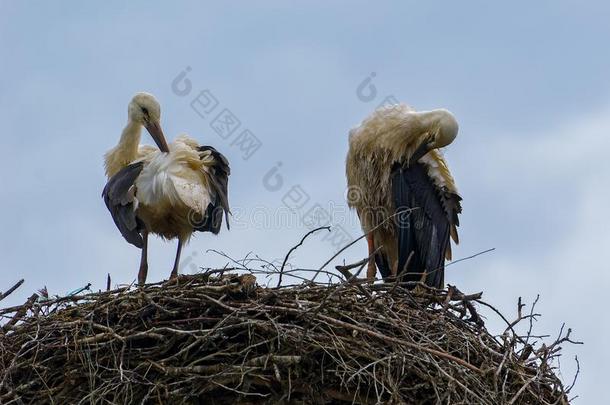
<point>295,248</point>
<point>11,290</point>
<point>356,240</point>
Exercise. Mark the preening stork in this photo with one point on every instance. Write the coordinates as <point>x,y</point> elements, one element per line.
<point>171,191</point>
<point>403,192</point>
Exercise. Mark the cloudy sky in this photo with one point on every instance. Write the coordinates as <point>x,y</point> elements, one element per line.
<point>528,82</point>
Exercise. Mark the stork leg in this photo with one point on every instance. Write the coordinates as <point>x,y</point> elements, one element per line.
<point>371,270</point>
<point>177,261</point>
<point>144,259</point>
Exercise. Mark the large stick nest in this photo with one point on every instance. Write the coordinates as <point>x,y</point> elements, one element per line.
<point>220,339</point>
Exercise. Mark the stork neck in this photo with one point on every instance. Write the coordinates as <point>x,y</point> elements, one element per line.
<point>130,139</point>
<point>126,151</point>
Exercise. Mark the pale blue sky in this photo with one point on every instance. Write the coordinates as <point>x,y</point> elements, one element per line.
<point>528,82</point>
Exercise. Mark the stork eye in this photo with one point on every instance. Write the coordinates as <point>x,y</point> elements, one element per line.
<point>145,110</point>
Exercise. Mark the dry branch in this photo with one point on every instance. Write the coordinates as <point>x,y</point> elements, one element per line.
<point>8,292</point>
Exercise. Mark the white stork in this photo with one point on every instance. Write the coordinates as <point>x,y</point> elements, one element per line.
<point>171,191</point>
<point>403,192</point>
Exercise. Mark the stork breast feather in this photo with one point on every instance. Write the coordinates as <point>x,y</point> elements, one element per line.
<point>170,178</point>
<point>191,191</point>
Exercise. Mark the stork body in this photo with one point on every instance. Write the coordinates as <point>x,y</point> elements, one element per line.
<point>171,191</point>
<point>403,192</point>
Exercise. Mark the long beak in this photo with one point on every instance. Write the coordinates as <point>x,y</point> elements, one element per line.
<point>154,129</point>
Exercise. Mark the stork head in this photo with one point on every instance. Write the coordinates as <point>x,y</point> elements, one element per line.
<point>145,110</point>
<point>444,128</point>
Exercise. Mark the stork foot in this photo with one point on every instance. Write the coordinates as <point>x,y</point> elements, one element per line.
<point>174,274</point>
<point>142,274</point>
<point>143,260</point>
<point>371,271</point>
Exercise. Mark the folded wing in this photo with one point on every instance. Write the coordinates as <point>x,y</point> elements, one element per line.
<point>427,219</point>
<point>217,169</point>
<point>120,197</point>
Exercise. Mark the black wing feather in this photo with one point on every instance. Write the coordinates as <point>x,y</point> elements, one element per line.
<point>120,203</point>
<point>423,227</point>
<point>212,220</point>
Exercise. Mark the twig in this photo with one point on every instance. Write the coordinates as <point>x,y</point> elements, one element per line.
<point>401,342</point>
<point>295,248</point>
<point>345,269</point>
<point>575,376</point>
<point>358,239</point>
<point>11,290</point>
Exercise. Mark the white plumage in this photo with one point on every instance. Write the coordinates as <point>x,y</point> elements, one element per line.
<point>172,191</point>
<point>170,178</point>
<point>394,164</point>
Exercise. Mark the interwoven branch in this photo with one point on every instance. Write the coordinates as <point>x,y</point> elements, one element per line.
<point>221,339</point>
